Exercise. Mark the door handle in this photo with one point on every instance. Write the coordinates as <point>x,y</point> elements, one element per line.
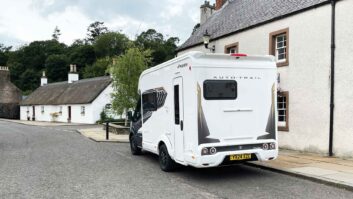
<point>181,125</point>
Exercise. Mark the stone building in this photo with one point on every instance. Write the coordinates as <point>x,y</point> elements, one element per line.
<point>312,43</point>
<point>10,96</point>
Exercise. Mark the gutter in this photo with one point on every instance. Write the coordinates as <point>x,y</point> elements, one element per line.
<point>332,97</point>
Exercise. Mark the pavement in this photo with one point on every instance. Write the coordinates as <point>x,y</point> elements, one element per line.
<point>38,123</point>
<point>56,162</point>
<point>99,135</point>
<point>316,167</point>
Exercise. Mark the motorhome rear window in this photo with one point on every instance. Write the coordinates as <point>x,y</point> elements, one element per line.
<point>220,89</point>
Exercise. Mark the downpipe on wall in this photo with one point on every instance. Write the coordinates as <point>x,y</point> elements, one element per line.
<point>332,98</point>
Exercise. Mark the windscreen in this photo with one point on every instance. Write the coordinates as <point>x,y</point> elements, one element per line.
<point>220,89</point>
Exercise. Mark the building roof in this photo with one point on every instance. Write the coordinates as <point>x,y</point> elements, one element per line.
<point>80,92</point>
<point>240,15</point>
<point>9,93</point>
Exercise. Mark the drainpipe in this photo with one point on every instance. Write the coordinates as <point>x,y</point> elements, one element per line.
<point>332,99</point>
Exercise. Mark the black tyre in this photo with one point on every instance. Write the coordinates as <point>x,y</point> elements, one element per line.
<point>166,163</point>
<point>135,150</point>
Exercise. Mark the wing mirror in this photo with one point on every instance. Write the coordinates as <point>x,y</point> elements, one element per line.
<point>129,115</point>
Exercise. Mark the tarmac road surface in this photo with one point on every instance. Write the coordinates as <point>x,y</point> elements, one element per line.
<point>57,162</point>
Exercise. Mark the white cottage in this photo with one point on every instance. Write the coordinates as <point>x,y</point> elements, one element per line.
<point>76,101</point>
<point>312,42</point>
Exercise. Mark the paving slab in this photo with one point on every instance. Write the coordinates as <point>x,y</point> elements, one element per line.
<point>316,171</point>
<point>329,170</point>
<point>99,135</point>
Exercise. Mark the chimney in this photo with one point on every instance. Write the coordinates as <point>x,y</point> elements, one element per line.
<point>73,75</point>
<point>219,4</point>
<point>4,73</point>
<point>43,80</point>
<point>206,12</point>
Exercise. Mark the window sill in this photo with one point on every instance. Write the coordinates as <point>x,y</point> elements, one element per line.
<point>283,128</point>
<point>282,64</point>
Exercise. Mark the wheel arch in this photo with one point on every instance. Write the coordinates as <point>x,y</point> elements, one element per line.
<point>165,140</point>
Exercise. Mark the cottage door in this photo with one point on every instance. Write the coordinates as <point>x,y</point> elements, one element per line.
<point>69,114</point>
<point>33,113</point>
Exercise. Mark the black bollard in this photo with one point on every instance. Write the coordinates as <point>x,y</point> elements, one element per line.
<point>107,131</point>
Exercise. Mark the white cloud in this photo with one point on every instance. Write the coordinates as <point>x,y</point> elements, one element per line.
<point>29,20</point>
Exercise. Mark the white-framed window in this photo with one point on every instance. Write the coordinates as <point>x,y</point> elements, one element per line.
<point>27,109</point>
<point>108,106</point>
<point>231,48</point>
<point>60,110</point>
<point>283,108</point>
<point>281,48</point>
<point>83,110</point>
<point>42,109</point>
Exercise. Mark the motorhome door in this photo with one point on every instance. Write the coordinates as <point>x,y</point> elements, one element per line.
<point>178,119</point>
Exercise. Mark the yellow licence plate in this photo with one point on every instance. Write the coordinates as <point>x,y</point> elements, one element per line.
<point>240,157</point>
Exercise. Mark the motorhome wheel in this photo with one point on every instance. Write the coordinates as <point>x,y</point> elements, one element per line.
<point>135,150</point>
<point>166,163</point>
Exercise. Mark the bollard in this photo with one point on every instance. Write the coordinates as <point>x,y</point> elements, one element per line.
<point>107,131</point>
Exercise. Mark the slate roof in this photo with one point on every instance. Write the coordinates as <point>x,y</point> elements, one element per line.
<point>240,15</point>
<point>81,92</point>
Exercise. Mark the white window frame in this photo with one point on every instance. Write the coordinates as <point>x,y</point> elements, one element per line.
<point>283,46</point>
<point>83,110</point>
<point>283,125</point>
<point>42,109</point>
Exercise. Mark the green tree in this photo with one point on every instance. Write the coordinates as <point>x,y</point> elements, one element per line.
<point>57,67</point>
<point>30,60</point>
<point>94,30</point>
<point>111,44</point>
<point>99,68</point>
<point>162,50</point>
<point>56,34</point>
<point>126,70</point>
<point>4,54</point>
<point>82,55</point>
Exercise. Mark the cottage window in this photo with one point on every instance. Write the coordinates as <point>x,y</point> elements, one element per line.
<point>283,108</point>
<point>42,109</point>
<point>60,110</point>
<point>27,109</point>
<point>231,48</point>
<point>279,45</point>
<point>83,110</point>
<point>108,106</point>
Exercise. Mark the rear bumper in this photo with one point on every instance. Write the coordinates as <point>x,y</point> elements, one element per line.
<point>223,158</point>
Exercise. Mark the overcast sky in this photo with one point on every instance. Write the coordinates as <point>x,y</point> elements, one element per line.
<point>23,21</point>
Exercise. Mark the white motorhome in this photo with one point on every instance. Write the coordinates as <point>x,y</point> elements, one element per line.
<point>207,110</point>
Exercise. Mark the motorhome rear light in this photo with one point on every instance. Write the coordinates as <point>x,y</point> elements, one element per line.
<point>265,146</point>
<point>273,146</point>
<point>213,150</point>
<point>204,151</point>
<point>238,55</point>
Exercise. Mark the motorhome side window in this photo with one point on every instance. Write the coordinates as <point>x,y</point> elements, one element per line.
<point>149,101</point>
<point>220,89</point>
<point>176,105</point>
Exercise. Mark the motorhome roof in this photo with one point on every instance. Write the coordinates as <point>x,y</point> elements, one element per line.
<point>199,58</point>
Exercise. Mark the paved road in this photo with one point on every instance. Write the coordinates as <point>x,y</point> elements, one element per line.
<point>56,162</point>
